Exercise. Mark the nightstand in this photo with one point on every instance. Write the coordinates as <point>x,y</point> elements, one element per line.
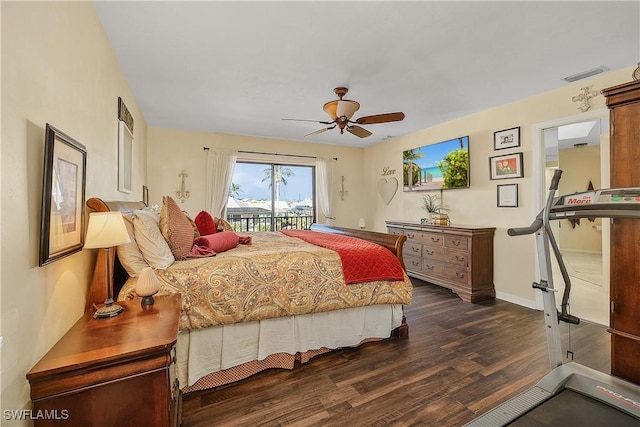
<point>115,371</point>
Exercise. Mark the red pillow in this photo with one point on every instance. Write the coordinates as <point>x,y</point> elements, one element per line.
<point>205,223</point>
<point>219,242</point>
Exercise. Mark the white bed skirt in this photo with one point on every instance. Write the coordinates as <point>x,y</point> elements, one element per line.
<point>203,351</point>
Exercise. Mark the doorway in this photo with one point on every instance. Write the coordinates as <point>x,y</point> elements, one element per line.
<point>580,147</point>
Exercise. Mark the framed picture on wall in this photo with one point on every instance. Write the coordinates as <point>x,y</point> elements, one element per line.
<point>62,215</point>
<point>507,138</point>
<point>506,166</point>
<point>508,196</point>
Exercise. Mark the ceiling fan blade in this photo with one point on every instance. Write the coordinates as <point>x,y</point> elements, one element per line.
<point>380,118</point>
<point>320,131</point>
<point>358,131</point>
<point>314,121</point>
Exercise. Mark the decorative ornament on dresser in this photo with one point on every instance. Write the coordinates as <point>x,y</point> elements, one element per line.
<point>433,205</point>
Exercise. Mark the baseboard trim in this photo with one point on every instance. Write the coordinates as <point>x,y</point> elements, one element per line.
<point>517,300</point>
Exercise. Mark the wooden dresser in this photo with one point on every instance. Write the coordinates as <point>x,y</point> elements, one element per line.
<point>624,104</point>
<point>112,372</point>
<point>456,257</point>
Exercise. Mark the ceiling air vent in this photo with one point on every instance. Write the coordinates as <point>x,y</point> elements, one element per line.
<point>585,74</point>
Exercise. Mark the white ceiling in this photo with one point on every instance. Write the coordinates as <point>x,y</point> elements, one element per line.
<point>240,67</point>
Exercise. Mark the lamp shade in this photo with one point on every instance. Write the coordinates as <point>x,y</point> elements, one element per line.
<point>105,230</point>
<point>342,107</point>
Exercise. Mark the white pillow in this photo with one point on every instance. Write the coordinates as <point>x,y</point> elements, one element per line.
<point>129,254</point>
<point>150,241</point>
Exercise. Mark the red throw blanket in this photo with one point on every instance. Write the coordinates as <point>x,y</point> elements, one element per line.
<point>362,261</point>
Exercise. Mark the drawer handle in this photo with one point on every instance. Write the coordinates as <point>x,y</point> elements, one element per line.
<point>428,252</point>
<point>415,263</point>
<point>410,236</point>
<point>435,239</point>
<point>459,258</point>
<point>415,249</point>
<point>456,242</point>
<point>429,267</point>
<point>460,275</point>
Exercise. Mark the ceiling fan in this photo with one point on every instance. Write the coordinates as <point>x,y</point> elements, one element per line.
<point>341,111</point>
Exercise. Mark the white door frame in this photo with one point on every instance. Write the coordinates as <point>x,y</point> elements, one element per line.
<point>539,190</point>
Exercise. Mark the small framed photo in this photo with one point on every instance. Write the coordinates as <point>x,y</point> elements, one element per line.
<point>508,138</point>
<point>507,166</point>
<point>508,196</point>
<point>62,216</point>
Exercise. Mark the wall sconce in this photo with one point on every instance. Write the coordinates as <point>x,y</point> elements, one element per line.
<point>182,194</point>
<point>361,223</point>
<point>343,191</point>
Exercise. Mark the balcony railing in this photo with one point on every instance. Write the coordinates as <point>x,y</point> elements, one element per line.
<point>301,222</point>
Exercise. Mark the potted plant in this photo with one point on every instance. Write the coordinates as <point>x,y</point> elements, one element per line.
<point>431,203</point>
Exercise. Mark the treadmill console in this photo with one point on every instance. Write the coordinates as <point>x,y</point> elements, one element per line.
<point>610,203</point>
<point>613,195</point>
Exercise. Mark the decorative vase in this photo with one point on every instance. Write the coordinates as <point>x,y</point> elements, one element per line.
<point>147,286</point>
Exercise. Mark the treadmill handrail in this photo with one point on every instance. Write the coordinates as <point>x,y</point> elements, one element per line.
<point>523,231</point>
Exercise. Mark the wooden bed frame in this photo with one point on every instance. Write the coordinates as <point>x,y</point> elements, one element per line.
<point>98,293</point>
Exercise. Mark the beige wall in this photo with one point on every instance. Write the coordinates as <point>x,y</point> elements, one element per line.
<point>57,68</point>
<point>171,151</point>
<point>514,266</point>
<point>579,166</point>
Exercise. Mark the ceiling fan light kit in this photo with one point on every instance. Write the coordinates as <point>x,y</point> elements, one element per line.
<point>342,110</point>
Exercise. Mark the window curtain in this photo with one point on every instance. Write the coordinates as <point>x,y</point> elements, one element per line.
<point>220,164</point>
<point>324,172</point>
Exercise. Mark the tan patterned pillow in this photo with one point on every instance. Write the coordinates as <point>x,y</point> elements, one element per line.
<point>223,225</point>
<point>176,228</point>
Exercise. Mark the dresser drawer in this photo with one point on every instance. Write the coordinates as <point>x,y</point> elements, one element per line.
<point>432,267</point>
<point>433,239</point>
<point>395,231</point>
<point>413,236</point>
<point>412,249</point>
<point>460,258</point>
<point>456,242</point>
<point>458,275</point>
<point>433,252</point>
<point>412,263</point>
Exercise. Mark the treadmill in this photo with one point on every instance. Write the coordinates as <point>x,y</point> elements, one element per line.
<point>571,394</point>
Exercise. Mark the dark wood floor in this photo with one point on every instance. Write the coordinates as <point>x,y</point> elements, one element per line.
<point>459,360</point>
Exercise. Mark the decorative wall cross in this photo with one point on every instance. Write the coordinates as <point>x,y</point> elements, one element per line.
<point>584,97</point>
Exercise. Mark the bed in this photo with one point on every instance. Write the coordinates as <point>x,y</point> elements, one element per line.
<point>273,303</point>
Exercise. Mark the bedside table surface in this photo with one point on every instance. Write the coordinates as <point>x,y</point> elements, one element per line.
<point>94,342</point>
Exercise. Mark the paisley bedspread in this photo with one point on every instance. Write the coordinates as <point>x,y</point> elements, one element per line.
<point>275,276</point>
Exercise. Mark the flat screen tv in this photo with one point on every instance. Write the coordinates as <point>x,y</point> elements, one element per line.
<point>440,166</point>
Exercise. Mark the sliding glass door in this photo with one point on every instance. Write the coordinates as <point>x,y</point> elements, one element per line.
<point>271,197</point>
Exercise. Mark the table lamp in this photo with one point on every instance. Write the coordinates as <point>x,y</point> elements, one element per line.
<point>106,230</point>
